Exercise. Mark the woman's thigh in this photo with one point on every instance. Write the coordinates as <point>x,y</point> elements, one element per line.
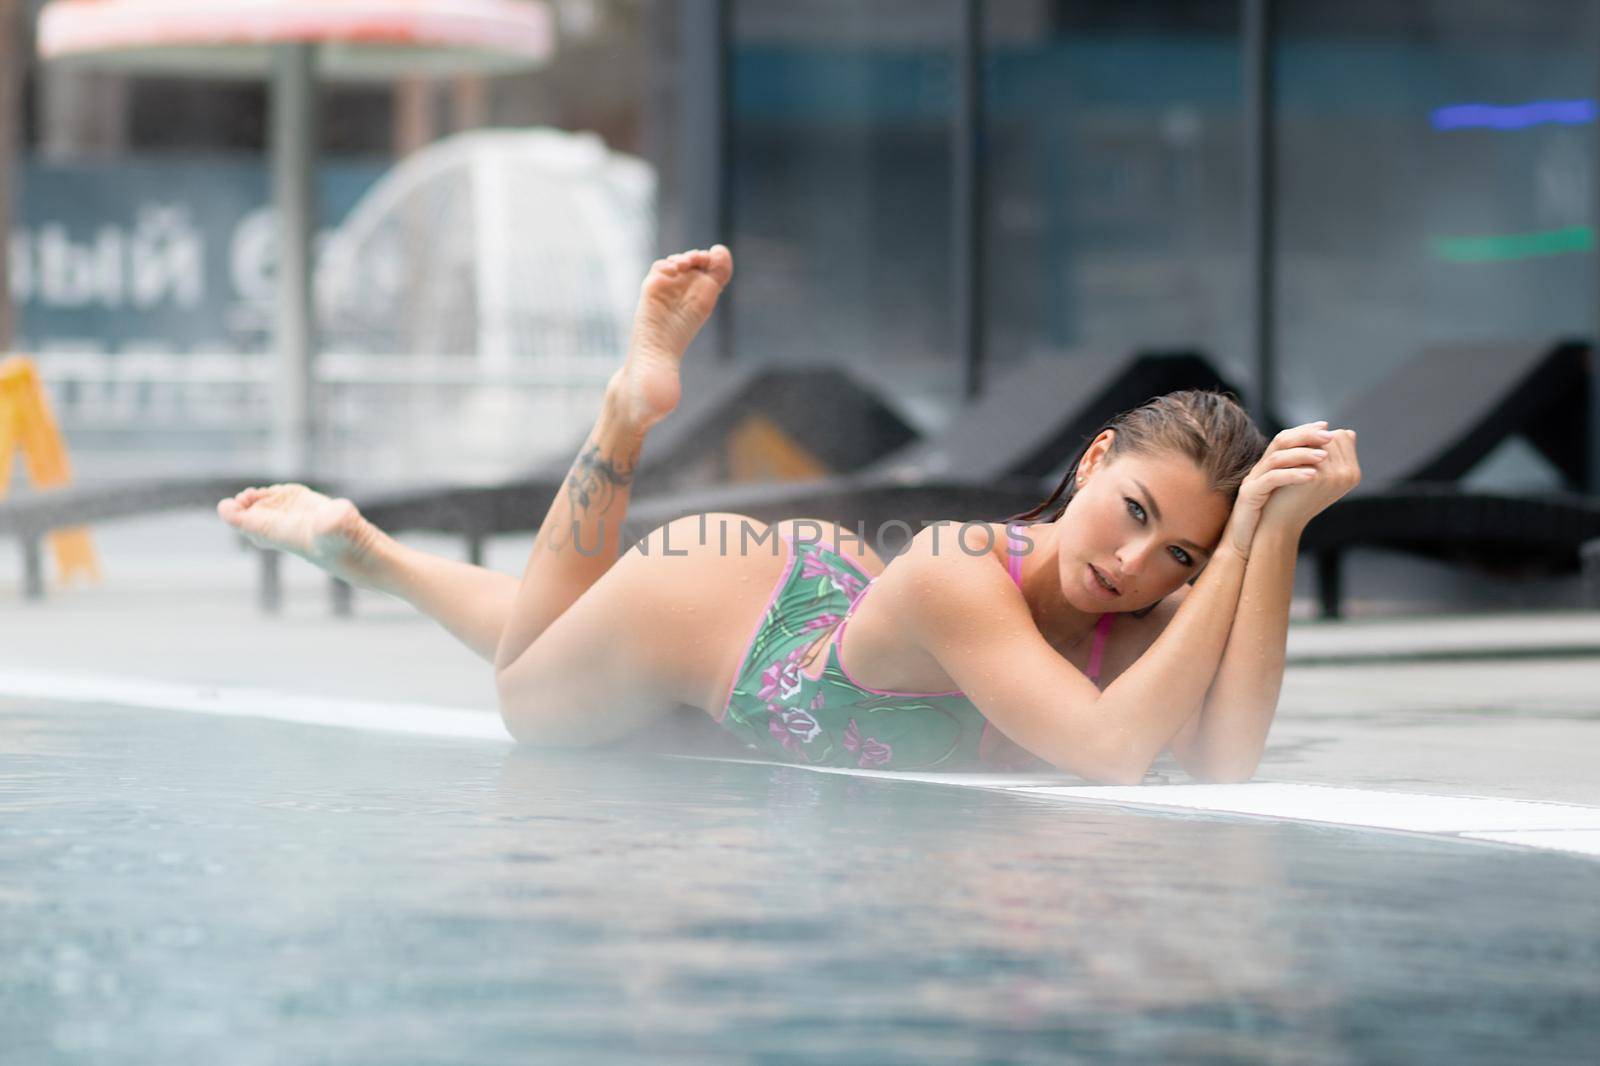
<point>666,625</point>
<point>656,630</point>
<point>754,564</point>
<point>708,579</point>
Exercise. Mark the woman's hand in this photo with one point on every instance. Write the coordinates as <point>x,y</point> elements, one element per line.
<point>1295,505</point>
<point>1291,461</point>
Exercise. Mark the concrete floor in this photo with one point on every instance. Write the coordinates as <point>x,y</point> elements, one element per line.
<point>1488,704</point>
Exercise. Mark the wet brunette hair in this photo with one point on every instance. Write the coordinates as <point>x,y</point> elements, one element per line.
<point>1209,427</point>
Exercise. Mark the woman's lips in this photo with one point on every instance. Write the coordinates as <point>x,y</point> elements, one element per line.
<point>1094,583</point>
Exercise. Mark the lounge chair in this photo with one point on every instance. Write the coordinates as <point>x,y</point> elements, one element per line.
<point>1438,415</point>
<point>838,443</point>
<point>1427,425</point>
<point>750,424</point>
<point>991,459</point>
<point>1590,554</point>
<point>1034,417</point>
<point>995,457</point>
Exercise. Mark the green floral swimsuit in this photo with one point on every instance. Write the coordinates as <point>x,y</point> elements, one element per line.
<point>832,720</point>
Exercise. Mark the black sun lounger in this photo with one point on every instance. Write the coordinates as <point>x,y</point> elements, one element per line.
<point>1591,573</point>
<point>1027,424</point>
<point>1035,417</point>
<point>768,423</point>
<point>1490,531</point>
<point>994,458</point>
<point>1428,424</point>
<point>761,423</point>
<point>867,467</point>
<point>1438,415</point>
<point>749,424</point>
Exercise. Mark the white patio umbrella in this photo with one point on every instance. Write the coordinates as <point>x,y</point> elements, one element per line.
<point>295,42</point>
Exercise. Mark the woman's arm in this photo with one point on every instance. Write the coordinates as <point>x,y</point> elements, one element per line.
<point>976,625</point>
<point>1231,729</point>
<point>974,622</point>
<point>1239,710</point>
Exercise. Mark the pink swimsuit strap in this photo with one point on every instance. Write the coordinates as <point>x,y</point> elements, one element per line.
<point>1014,556</point>
<point>1102,628</point>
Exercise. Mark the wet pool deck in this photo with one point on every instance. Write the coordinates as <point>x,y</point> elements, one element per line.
<point>1487,705</point>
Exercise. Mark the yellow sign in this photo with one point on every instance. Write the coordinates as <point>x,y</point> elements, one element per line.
<point>26,424</point>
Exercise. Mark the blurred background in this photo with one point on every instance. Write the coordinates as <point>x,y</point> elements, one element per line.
<point>928,192</point>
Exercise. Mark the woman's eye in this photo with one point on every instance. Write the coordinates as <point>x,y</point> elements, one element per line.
<point>1137,511</point>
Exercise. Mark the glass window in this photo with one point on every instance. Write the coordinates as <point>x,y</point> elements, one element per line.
<point>1115,217</point>
<point>840,183</point>
<point>1436,175</point>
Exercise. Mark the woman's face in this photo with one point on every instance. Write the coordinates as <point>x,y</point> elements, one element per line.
<point>1145,524</point>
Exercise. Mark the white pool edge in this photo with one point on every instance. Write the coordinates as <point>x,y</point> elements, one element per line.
<point>1567,828</point>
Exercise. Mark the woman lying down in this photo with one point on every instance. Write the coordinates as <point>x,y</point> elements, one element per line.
<point>1142,607</point>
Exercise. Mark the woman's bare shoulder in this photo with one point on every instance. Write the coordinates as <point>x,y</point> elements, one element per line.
<point>972,545</point>
<point>941,568</point>
<point>965,614</point>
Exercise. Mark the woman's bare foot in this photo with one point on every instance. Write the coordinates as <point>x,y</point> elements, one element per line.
<point>329,533</point>
<point>675,300</point>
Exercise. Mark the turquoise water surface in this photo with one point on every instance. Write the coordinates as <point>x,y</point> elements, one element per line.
<point>183,888</point>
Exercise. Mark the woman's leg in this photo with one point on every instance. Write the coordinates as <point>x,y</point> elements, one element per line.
<point>472,603</point>
<point>579,539</point>
<point>584,660</point>
<point>580,536</point>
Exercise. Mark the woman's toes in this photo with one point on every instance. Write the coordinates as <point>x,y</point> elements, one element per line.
<point>719,263</point>
<point>714,259</point>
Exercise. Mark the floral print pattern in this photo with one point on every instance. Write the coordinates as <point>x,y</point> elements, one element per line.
<point>871,751</point>
<point>779,709</point>
<point>782,678</point>
<point>816,566</point>
<point>794,728</point>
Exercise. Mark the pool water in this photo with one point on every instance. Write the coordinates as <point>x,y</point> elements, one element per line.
<point>185,888</point>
